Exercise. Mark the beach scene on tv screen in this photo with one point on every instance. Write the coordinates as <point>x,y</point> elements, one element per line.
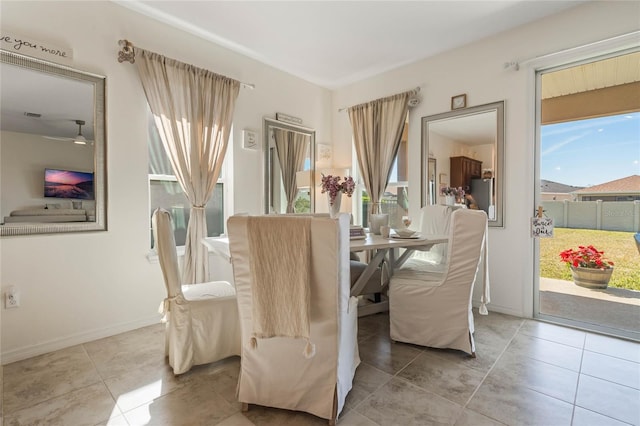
<point>68,184</point>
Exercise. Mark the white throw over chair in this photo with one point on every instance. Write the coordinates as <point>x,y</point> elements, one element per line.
<point>298,322</point>
<point>202,323</point>
<point>433,309</point>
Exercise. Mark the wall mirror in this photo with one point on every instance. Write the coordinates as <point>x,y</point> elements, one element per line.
<point>289,160</point>
<point>52,139</point>
<point>468,146</point>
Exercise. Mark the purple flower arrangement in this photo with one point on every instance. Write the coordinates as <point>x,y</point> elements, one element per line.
<point>332,185</point>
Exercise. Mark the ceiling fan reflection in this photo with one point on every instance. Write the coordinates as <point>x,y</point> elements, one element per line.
<point>79,139</point>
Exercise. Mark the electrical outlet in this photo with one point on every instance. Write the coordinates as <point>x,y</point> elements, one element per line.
<point>11,298</point>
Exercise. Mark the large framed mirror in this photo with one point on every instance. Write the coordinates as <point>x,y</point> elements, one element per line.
<point>52,140</point>
<point>468,146</point>
<point>289,163</point>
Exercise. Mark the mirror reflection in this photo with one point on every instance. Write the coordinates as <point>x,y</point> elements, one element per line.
<point>432,182</point>
<point>289,168</point>
<point>52,173</point>
<point>468,147</point>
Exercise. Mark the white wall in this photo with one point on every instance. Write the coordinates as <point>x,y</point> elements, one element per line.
<point>77,287</point>
<point>477,70</point>
<point>24,158</point>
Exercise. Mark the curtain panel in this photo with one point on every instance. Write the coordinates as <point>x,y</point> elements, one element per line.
<point>292,151</point>
<point>377,130</point>
<point>193,111</point>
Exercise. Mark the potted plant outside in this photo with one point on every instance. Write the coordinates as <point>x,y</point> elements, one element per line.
<point>589,267</point>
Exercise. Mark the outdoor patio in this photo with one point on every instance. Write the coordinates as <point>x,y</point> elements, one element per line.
<point>611,310</point>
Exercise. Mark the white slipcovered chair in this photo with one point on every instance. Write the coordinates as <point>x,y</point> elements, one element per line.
<point>433,309</point>
<point>202,323</point>
<point>292,280</point>
<point>434,220</point>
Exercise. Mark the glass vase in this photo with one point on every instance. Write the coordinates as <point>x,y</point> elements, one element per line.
<point>334,209</point>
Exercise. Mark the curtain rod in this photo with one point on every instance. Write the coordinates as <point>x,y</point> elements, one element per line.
<point>412,91</point>
<point>630,38</point>
<point>127,53</point>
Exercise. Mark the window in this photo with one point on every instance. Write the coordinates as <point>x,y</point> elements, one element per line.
<point>165,192</point>
<point>395,200</point>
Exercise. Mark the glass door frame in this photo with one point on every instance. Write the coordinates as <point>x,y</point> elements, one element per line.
<point>569,58</point>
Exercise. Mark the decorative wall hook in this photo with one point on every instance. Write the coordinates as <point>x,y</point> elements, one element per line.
<point>512,65</point>
<point>127,53</point>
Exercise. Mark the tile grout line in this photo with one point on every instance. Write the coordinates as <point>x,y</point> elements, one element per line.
<point>50,398</point>
<point>464,407</point>
<point>575,395</point>
<point>393,342</point>
<point>115,402</point>
<point>493,365</point>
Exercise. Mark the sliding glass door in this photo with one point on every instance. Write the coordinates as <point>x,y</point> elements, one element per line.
<point>588,169</point>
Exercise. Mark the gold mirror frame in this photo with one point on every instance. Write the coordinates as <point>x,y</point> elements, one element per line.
<point>99,137</point>
<point>471,114</point>
<point>269,158</point>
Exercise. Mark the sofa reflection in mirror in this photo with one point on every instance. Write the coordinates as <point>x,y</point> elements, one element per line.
<point>289,168</point>
<point>52,140</point>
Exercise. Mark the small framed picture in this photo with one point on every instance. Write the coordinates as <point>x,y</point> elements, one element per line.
<point>325,153</point>
<point>459,101</point>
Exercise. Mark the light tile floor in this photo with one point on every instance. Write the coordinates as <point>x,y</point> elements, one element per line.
<point>526,373</point>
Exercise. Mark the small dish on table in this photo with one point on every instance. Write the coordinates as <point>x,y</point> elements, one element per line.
<point>404,232</point>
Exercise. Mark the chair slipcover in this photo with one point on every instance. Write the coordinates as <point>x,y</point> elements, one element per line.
<point>434,220</point>
<point>274,372</point>
<point>202,322</point>
<point>434,308</point>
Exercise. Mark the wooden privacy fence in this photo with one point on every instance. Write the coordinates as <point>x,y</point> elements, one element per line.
<point>608,216</point>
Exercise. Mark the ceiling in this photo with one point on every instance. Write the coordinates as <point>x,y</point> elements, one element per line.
<point>473,129</point>
<point>618,70</point>
<point>329,43</point>
<point>336,43</point>
<point>44,104</point>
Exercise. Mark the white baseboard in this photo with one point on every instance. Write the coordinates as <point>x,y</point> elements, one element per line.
<point>500,309</point>
<point>75,339</point>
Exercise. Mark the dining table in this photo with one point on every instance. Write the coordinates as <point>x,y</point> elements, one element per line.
<point>381,250</point>
<point>386,250</point>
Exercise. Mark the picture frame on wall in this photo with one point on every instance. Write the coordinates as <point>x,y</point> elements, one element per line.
<point>459,101</point>
<point>325,153</point>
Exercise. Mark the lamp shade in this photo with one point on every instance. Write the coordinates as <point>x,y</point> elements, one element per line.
<point>303,179</point>
<point>335,172</point>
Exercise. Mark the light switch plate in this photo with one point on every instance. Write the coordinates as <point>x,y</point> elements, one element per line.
<point>249,139</point>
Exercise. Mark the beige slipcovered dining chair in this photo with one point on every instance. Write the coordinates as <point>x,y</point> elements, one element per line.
<point>434,308</point>
<point>434,220</point>
<point>202,322</point>
<point>298,322</point>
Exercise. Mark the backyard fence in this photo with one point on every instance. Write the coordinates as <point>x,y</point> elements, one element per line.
<point>608,216</point>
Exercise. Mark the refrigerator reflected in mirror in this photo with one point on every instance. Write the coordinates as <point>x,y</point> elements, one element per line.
<point>482,191</point>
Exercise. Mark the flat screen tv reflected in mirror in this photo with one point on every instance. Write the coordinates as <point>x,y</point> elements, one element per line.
<point>68,184</point>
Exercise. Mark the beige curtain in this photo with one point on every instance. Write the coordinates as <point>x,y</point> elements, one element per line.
<point>292,150</point>
<point>193,111</point>
<point>377,130</point>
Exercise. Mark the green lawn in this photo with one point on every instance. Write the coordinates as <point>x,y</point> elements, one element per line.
<point>618,247</point>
